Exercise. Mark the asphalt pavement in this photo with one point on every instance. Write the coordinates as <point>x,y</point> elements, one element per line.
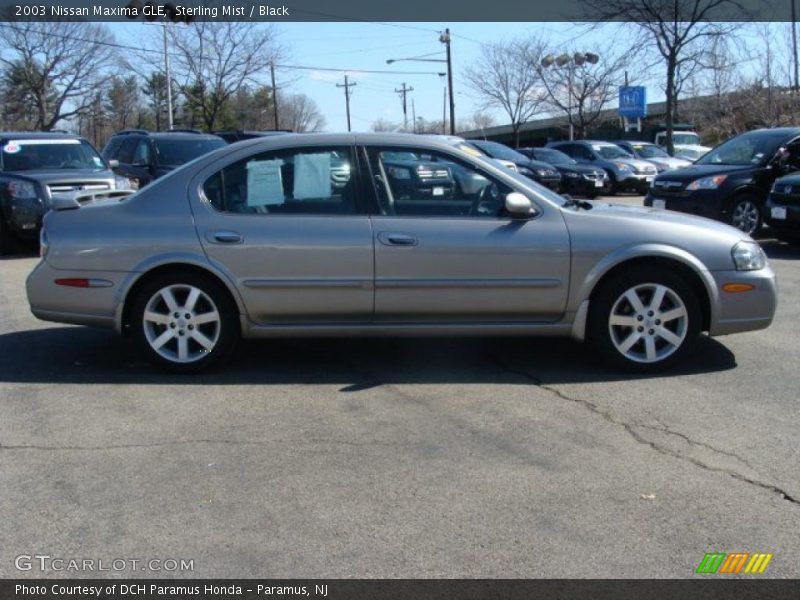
<point>398,457</point>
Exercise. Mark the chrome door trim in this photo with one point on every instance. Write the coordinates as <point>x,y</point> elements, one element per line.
<point>544,282</point>
<point>262,283</point>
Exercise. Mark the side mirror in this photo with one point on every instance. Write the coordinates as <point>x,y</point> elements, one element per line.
<point>113,163</point>
<point>518,205</point>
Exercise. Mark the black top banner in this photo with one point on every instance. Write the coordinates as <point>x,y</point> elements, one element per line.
<point>447,11</point>
<point>354,589</point>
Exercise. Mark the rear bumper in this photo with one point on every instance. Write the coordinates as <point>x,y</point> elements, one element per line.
<point>95,306</point>
<point>744,311</point>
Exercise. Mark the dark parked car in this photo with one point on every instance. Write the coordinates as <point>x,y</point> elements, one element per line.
<point>415,176</point>
<point>782,209</point>
<point>625,172</point>
<point>36,166</point>
<point>576,179</point>
<point>237,135</point>
<point>732,181</point>
<point>143,156</point>
<point>540,172</point>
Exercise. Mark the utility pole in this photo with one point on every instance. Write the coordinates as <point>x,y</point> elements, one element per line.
<point>347,87</point>
<point>168,75</point>
<point>403,91</point>
<point>444,113</point>
<point>414,116</point>
<point>445,39</point>
<point>274,94</point>
<point>794,47</point>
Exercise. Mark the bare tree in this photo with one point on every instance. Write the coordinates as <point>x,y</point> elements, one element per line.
<point>299,113</point>
<point>581,89</point>
<point>673,28</point>
<point>58,66</point>
<point>384,125</point>
<point>213,60</point>
<point>503,78</point>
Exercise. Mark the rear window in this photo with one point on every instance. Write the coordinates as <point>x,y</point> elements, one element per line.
<point>50,154</point>
<point>172,153</point>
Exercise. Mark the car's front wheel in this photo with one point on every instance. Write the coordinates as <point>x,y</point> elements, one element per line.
<point>746,214</point>
<point>184,322</point>
<point>643,320</point>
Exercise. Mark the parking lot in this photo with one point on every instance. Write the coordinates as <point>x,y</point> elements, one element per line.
<point>399,457</point>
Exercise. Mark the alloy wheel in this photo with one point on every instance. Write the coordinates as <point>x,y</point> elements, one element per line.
<point>745,216</point>
<point>181,323</point>
<point>648,323</point>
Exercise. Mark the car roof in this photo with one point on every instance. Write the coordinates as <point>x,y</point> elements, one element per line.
<point>39,135</point>
<point>175,134</point>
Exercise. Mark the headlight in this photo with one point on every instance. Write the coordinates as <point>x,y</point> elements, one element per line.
<point>399,173</point>
<point>707,183</point>
<point>122,183</point>
<point>526,172</point>
<point>748,256</point>
<point>624,167</point>
<point>21,189</point>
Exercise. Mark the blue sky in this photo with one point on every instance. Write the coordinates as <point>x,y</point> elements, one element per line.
<point>367,46</point>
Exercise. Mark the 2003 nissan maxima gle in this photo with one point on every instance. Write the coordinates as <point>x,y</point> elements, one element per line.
<point>322,235</point>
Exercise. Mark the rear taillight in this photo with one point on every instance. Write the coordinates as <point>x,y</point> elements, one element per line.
<point>73,282</point>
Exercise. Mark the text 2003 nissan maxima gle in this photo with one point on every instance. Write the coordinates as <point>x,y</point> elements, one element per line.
<point>318,235</point>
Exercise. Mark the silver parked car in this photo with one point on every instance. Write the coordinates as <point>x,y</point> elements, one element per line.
<point>308,235</point>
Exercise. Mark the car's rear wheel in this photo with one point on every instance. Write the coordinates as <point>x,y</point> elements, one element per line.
<point>645,321</point>
<point>6,237</point>
<point>184,322</point>
<point>746,214</point>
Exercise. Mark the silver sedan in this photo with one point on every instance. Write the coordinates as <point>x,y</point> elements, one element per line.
<point>376,234</point>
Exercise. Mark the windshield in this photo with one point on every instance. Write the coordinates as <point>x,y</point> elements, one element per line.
<point>610,151</point>
<point>554,157</point>
<point>172,153</point>
<point>649,151</point>
<point>497,150</point>
<point>686,138</point>
<point>50,154</point>
<point>755,148</point>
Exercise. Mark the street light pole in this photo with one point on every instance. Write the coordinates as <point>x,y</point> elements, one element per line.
<point>445,39</point>
<point>570,62</point>
<point>169,78</point>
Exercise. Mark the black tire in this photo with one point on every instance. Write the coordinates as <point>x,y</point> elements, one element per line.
<point>226,331</point>
<point>599,329</point>
<point>746,203</point>
<point>7,242</point>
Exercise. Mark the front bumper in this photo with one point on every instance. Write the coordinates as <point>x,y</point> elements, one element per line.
<point>24,217</point>
<point>791,222</point>
<point>744,311</point>
<point>635,181</point>
<point>704,203</point>
<point>583,186</point>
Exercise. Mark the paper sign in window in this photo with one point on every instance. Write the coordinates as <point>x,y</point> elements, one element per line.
<point>264,183</point>
<point>312,176</point>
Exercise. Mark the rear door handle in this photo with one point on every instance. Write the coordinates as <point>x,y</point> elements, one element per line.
<point>388,238</point>
<point>225,237</point>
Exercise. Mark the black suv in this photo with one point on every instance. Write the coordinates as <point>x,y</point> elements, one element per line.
<point>237,135</point>
<point>143,156</point>
<point>575,178</point>
<point>35,167</point>
<point>732,181</point>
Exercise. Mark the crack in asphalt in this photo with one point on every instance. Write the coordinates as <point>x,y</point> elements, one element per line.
<point>630,429</point>
<point>196,441</point>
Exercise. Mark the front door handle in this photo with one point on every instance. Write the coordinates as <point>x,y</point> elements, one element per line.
<point>388,238</point>
<point>225,237</point>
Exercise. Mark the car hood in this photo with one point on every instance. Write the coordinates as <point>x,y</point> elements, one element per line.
<point>636,163</point>
<point>64,175</point>
<point>697,171</point>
